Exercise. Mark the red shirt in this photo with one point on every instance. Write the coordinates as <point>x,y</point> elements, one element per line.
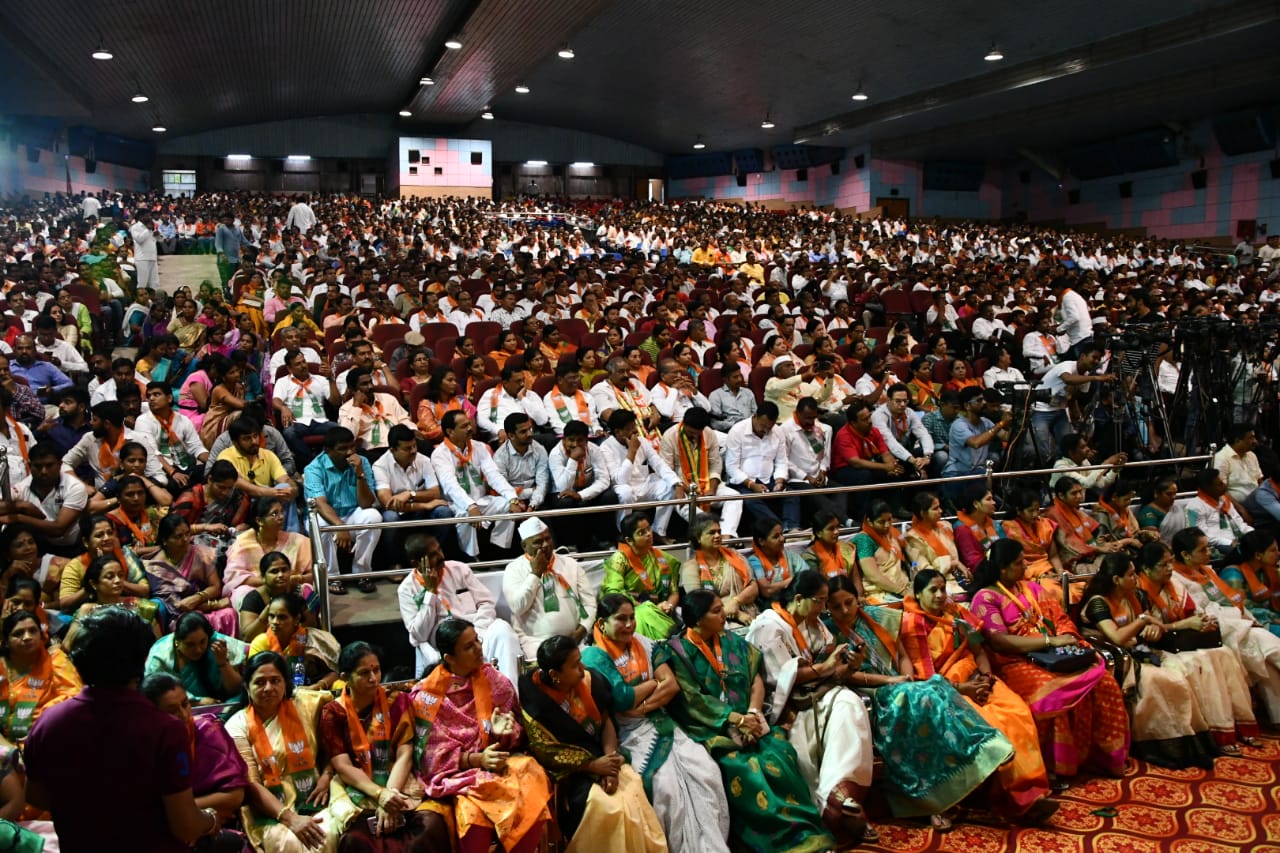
<point>849,444</point>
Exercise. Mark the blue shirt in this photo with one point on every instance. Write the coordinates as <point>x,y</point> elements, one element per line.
<point>965,459</point>
<point>322,479</point>
<point>66,436</point>
<point>39,375</point>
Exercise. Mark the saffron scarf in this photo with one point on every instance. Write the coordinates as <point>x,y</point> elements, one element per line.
<point>632,663</point>
<point>462,463</point>
<point>1123,518</point>
<point>892,545</point>
<point>562,407</point>
<point>694,459</point>
<point>300,762</point>
<point>965,628</point>
<point>830,559</point>
<point>143,535</point>
<point>370,750</point>
<point>16,431</point>
<point>935,538</point>
<point>727,555</point>
<point>297,646</point>
<point>1082,525</point>
<point>1166,599</point>
<point>109,455</point>
<point>796,633</point>
<point>577,702</point>
<point>428,698</point>
<point>984,533</point>
<point>1029,611</point>
<point>1257,588</point>
<point>20,696</point>
<point>770,567</point>
<point>716,658</point>
<point>422,582</point>
<point>637,565</point>
<point>1206,576</point>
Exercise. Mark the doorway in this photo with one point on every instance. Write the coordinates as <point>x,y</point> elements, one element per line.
<point>895,206</point>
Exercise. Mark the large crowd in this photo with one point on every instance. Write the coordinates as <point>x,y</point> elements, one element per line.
<point>358,361</point>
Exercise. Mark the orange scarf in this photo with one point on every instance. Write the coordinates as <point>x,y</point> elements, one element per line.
<point>1207,575</point>
<point>109,456</point>
<point>730,556</point>
<point>632,664</point>
<point>935,538</point>
<point>422,582</point>
<point>689,459</point>
<point>16,432</point>
<point>1222,504</point>
<point>985,532</point>
<point>1167,599</point>
<point>1122,517</point>
<point>1082,525</point>
<point>893,545</point>
<point>796,633</point>
<point>167,424</point>
<point>637,564</point>
<point>771,567</point>
<point>21,695</point>
<point>830,560</point>
<point>434,687</point>
<point>717,659</point>
<point>1257,588</point>
<point>577,703</point>
<point>297,643</point>
<point>298,756</point>
<point>142,536</point>
<point>361,741</point>
<point>459,457</point>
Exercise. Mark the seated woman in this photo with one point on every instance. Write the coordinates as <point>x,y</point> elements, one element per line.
<point>972,744</point>
<point>185,577</point>
<point>1218,674</point>
<point>1030,529</point>
<point>21,553</point>
<point>1080,715</point>
<point>1253,574</point>
<point>682,781</point>
<point>31,677</point>
<point>104,583</point>
<point>285,802</point>
<point>136,519</point>
<point>722,570</point>
<point>244,574</point>
<point>1079,545</point>
<point>1116,520</point>
<point>206,662</point>
<point>99,536</point>
<point>806,671</point>
<point>1164,493</point>
<point>278,578</point>
<point>590,365</point>
<point>646,574</point>
<point>771,564</point>
<point>1169,728</point>
<point>465,740</point>
<point>1216,599</point>
<point>571,733</point>
<point>418,370</point>
<point>555,347</point>
<point>828,555</point>
<point>311,654</point>
<point>145,508</point>
<point>881,550</point>
<point>931,543</point>
<point>976,527</point>
<point>368,738</point>
<point>508,346</point>
<point>959,378</point>
<point>218,773</point>
<point>442,396</point>
<point>722,693</point>
<point>23,593</point>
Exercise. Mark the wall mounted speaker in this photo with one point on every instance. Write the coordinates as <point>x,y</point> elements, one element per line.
<point>835,167</point>
<point>742,179</point>
<point>90,166</point>
<point>1126,189</point>
<point>802,174</point>
<point>1199,179</point>
<point>859,161</point>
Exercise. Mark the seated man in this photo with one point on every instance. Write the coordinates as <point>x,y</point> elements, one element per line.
<point>470,481</point>
<point>580,478</point>
<point>43,378</point>
<point>407,489</point>
<point>620,391</point>
<point>523,464</point>
<point>691,449</point>
<point>676,393</point>
<point>123,372</point>
<point>216,510</point>
<point>369,415</point>
<point>808,446</point>
<point>437,589</point>
<point>16,438</point>
<point>1076,453</point>
<point>181,453</point>
<point>1212,511</point>
<point>755,460</point>
<point>786,387</point>
<point>1238,463</point>
<point>938,422</point>
<point>859,457</point>
<point>548,593</point>
<point>340,482</point>
<point>903,431</point>
<point>274,442</point>
<point>260,471</point>
<point>505,398</point>
<point>1263,504</point>
<point>970,440</point>
<point>291,339</point>
<point>637,470</point>
<point>72,423</point>
<point>732,402</point>
<point>99,449</point>
<point>568,402</point>
<point>50,502</point>
<point>300,399</point>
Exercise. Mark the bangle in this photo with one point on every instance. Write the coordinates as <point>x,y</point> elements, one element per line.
<point>280,814</point>
<point>1047,644</point>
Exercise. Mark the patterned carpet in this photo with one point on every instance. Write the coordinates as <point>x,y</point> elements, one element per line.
<point>1232,808</point>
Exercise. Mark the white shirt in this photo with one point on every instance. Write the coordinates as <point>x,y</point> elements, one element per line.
<point>881,420</point>
<point>69,493</point>
<point>1041,351</point>
<point>301,216</point>
<point>647,465</point>
<point>564,471</point>
<point>492,411</point>
<point>306,403</point>
<point>672,403</point>
<point>802,461</point>
<point>992,375</point>
<point>748,456</point>
<point>1222,531</point>
<point>1241,473</point>
<point>18,469</point>
<point>462,497</point>
<point>70,358</point>
<point>459,593</point>
<point>1052,380</point>
<point>277,359</point>
<point>462,319</point>
<point>985,330</point>
<point>1076,324</point>
<point>144,242</point>
<point>190,448</point>
<point>580,407</point>
<point>419,476</point>
<point>86,451</point>
<point>606,396</point>
<point>525,593</point>
<point>90,206</point>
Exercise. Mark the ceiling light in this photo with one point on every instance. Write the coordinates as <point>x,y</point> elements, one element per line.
<point>522,89</point>
<point>405,113</point>
<point>699,145</point>
<point>535,162</point>
<point>565,52</point>
<point>767,124</point>
<point>453,43</point>
<point>159,128</point>
<point>140,98</point>
<point>860,95</point>
<point>299,158</point>
<point>239,157</point>
<point>426,81</point>
<point>102,53</point>
<point>994,55</point>
<point>583,164</point>
<point>487,115</point>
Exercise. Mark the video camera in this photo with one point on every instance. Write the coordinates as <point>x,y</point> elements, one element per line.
<point>1020,394</point>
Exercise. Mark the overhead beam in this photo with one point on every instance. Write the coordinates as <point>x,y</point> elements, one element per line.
<point>41,59</point>
<point>1052,169</point>
<point>1213,22</point>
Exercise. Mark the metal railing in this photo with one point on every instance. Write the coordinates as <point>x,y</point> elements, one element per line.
<point>691,502</point>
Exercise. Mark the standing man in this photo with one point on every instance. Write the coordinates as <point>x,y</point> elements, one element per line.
<point>548,593</point>
<point>142,231</point>
<point>1072,314</point>
<point>301,216</point>
<point>1050,419</point>
<point>340,481</point>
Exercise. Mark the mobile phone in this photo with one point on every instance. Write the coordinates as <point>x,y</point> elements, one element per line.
<point>373,824</point>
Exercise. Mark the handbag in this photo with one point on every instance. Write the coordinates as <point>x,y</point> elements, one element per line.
<point>1189,640</point>
<point>1063,659</point>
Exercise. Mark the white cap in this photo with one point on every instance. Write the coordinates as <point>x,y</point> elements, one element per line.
<point>531,527</point>
<point>780,360</point>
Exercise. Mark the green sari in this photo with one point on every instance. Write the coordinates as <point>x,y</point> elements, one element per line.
<point>647,590</point>
<point>771,808</point>
<point>201,678</point>
<point>929,774</point>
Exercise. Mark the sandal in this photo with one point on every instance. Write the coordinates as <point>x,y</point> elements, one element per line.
<point>1244,740</point>
<point>1230,749</point>
<point>871,836</point>
<point>368,585</point>
<point>337,588</point>
<point>941,824</point>
<point>850,807</point>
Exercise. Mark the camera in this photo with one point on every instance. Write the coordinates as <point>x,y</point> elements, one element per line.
<point>1019,394</point>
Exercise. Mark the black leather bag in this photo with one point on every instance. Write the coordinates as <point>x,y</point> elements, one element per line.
<point>1189,640</point>
<point>1063,659</point>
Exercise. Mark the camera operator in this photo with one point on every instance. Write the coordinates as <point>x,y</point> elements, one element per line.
<point>1076,454</point>
<point>1064,381</point>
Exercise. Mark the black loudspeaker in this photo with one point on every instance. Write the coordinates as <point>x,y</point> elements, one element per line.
<point>343,166</point>
<point>90,166</point>
<point>1199,179</point>
<point>742,179</point>
<point>894,192</point>
<point>1275,168</point>
<point>1073,196</point>
<point>414,155</point>
<point>477,158</point>
<point>859,161</point>
<point>835,167</point>
<point>1126,189</point>
<point>1024,176</point>
<point>802,174</point>
<point>33,155</point>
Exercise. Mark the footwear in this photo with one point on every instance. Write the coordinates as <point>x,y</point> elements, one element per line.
<point>941,824</point>
<point>1040,812</point>
<point>337,588</point>
<point>367,585</point>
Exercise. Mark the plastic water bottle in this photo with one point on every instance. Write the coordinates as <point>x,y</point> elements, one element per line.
<point>299,669</point>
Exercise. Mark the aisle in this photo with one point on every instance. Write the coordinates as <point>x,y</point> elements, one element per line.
<point>1157,811</point>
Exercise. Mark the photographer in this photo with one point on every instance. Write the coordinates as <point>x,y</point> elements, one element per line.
<point>1076,454</point>
<point>1064,381</point>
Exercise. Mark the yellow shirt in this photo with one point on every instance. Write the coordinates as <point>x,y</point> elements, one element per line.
<point>265,470</point>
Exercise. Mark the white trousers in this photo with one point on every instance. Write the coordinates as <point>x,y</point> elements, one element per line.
<point>502,532</point>
<point>730,512</point>
<point>499,643</point>
<point>652,489</point>
<point>365,542</point>
<point>148,273</point>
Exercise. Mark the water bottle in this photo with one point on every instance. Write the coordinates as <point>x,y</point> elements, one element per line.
<point>299,669</point>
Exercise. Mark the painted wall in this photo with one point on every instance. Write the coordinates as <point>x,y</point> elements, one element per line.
<point>451,159</point>
<point>19,176</point>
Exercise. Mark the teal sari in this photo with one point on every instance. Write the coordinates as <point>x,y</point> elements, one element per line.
<point>930,772</point>
<point>200,678</point>
<point>771,808</point>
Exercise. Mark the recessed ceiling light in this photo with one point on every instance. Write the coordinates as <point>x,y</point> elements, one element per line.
<point>522,89</point>
<point>102,53</point>
<point>239,157</point>
<point>583,164</point>
<point>535,162</point>
<point>159,128</point>
<point>699,144</point>
<point>299,158</point>
<point>405,113</point>
<point>426,81</point>
<point>565,52</point>
<point>453,43</point>
<point>994,55</point>
<point>487,115</point>
<point>767,124</point>
<point>140,98</point>
<point>860,95</point>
